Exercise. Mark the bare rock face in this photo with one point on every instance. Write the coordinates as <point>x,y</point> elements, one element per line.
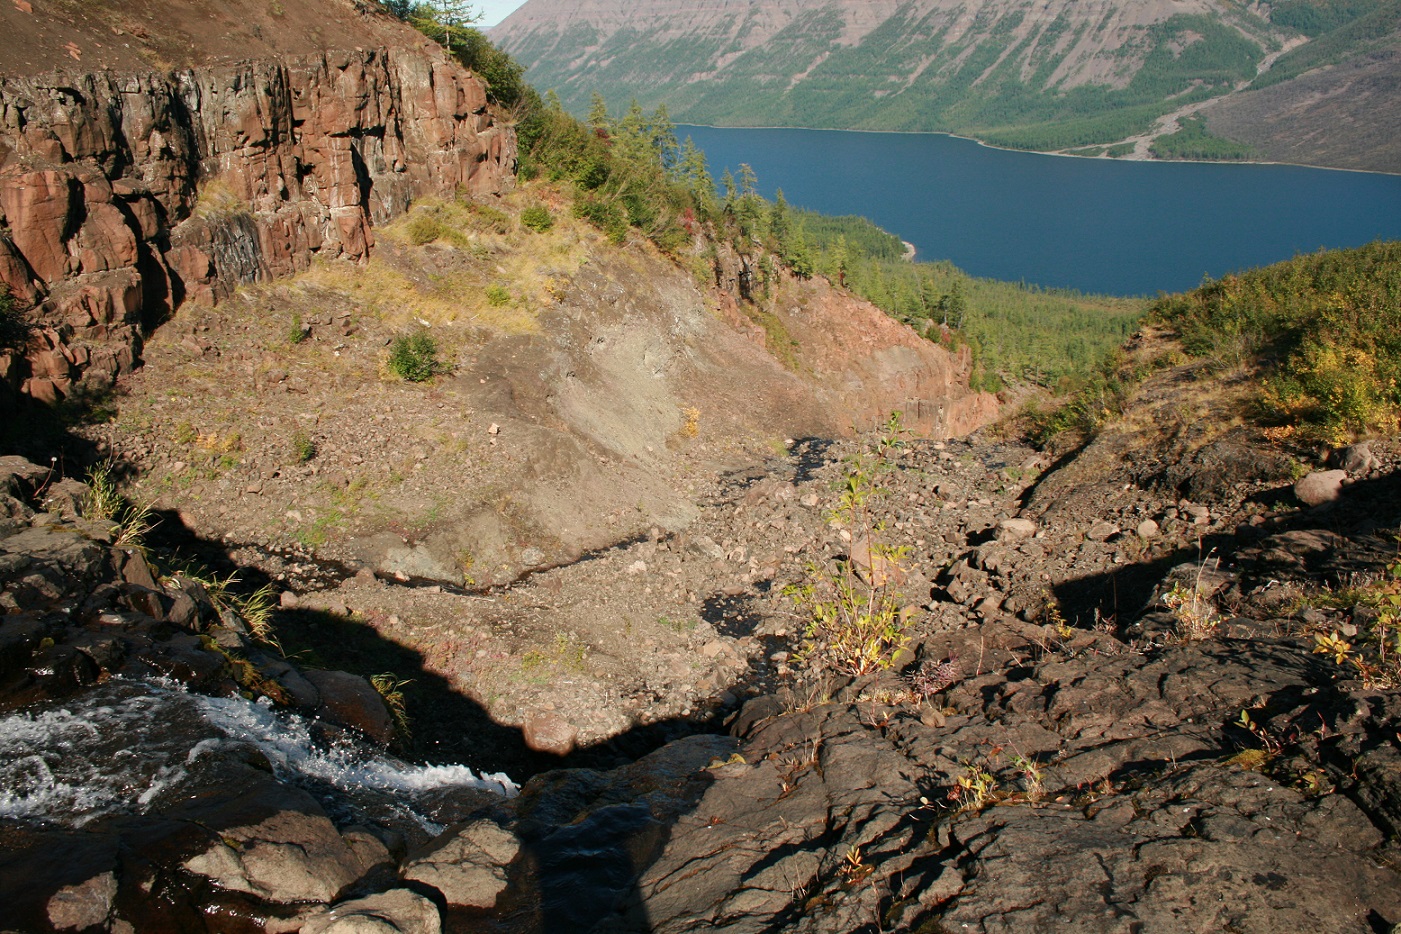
<point>122,196</point>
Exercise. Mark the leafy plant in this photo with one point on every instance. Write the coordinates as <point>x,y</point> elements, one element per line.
<point>1196,616</point>
<point>1376,655</point>
<point>497,296</point>
<point>414,357</point>
<point>975,789</point>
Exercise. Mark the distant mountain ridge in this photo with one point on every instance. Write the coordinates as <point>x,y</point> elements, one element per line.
<point>1035,74</point>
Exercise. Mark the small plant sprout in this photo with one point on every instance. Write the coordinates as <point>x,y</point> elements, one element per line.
<point>975,789</point>
<point>1033,778</point>
<point>932,677</point>
<point>391,690</point>
<point>854,866</point>
<point>1270,742</point>
<point>1196,615</point>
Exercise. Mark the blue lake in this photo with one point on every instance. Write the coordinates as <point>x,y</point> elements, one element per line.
<point>1097,225</point>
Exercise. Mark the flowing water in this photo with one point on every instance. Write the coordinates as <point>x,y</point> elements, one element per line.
<point>130,746</point>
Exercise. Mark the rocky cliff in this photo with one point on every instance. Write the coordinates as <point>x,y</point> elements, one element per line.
<point>124,195</point>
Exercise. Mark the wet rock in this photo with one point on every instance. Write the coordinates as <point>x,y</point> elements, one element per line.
<point>1320,487</point>
<point>466,865</point>
<point>398,911</point>
<point>84,905</point>
<point>352,701</point>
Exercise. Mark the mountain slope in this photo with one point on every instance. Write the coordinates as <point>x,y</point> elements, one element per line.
<point>1050,76</point>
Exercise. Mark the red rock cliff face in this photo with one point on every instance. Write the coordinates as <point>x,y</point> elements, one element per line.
<point>122,196</point>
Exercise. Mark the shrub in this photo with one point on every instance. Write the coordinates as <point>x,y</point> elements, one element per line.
<point>538,218</point>
<point>497,296</point>
<point>486,217</point>
<point>426,226</point>
<point>303,447</point>
<point>14,330</point>
<point>103,501</point>
<point>414,358</point>
<point>854,624</point>
<point>1324,329</point>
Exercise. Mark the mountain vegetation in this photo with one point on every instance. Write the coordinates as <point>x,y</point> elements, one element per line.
<point>1055,76</point>
<point>1317,339</point>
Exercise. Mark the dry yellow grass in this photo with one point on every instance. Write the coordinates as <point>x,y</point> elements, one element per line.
<point>473,250</point>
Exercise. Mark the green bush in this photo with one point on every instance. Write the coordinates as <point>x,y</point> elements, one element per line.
<point>414,358</point>
<point>605,216</point>
<point>1325,330</point>
<point>497,296</point>
<point>538,218</point>
<point>486,217</point>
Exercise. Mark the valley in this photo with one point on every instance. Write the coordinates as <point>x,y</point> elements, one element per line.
<point>1086,78</point>
<point>422,511</point>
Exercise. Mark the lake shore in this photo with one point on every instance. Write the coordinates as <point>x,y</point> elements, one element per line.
<point>1103,157</point>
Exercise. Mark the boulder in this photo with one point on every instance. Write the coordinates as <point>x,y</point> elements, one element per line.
<point>1015,528</point>
<point>1319,487</point>
<point>467,864</point>
<point>545,731</point>
<point>397,911</point>
<point>1357,459</point>
<point>274,842</point>
<point>352,701</point>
